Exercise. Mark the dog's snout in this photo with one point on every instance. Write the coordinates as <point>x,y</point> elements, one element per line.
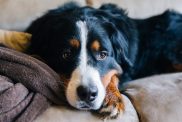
<point>87,93</point>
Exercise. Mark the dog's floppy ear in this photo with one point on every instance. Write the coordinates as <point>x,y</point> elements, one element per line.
<point>122,33</point>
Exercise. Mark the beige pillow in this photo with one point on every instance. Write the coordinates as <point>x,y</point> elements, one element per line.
<point>62,114</point>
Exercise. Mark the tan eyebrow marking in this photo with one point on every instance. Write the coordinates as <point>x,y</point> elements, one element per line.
<point>95,45</point>
<point>74,43</point>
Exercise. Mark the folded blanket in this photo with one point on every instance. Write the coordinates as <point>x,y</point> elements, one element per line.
<point>27,87</point>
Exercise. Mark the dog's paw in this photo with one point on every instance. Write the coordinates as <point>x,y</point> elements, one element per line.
<point>112,106</point>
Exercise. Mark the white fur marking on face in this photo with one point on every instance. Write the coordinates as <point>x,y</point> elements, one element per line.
<point>84,74</point>
<point>83,55</point>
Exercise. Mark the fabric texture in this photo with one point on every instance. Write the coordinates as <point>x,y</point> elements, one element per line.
<point>27,87</point>
<point>157,98</point>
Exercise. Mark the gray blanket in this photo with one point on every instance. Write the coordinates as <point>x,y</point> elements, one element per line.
<point>27,87</point>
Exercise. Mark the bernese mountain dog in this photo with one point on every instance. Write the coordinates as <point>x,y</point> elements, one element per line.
<point>93,49</point>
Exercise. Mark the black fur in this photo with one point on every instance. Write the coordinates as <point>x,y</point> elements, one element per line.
<point>160,45</point>
<point>141,47</point>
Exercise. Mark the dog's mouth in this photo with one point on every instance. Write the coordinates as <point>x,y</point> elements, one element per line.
<point>84,106</point>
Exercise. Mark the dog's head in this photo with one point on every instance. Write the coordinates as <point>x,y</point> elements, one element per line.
<point>84,45</point>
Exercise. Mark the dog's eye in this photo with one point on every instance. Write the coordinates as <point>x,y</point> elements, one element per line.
<point>66,54</point>
<point>102,55</point>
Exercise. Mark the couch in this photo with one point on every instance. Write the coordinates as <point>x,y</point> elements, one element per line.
<point>152,99</point>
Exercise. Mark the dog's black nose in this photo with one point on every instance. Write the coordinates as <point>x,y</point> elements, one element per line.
<point>87,93</point>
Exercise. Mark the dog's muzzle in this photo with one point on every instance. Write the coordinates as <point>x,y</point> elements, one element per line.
<point>85,90</point>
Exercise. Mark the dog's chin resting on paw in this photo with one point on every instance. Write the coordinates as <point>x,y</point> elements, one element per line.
<point>93,49</point>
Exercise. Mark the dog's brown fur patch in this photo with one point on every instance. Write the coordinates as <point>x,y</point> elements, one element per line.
<point>65,80</point>
<point>178,67</point>
<point>74,43</point>
<point>95,46</point>
<point>113,96</point>
<point>107,77</point>
<point>113,100</point>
